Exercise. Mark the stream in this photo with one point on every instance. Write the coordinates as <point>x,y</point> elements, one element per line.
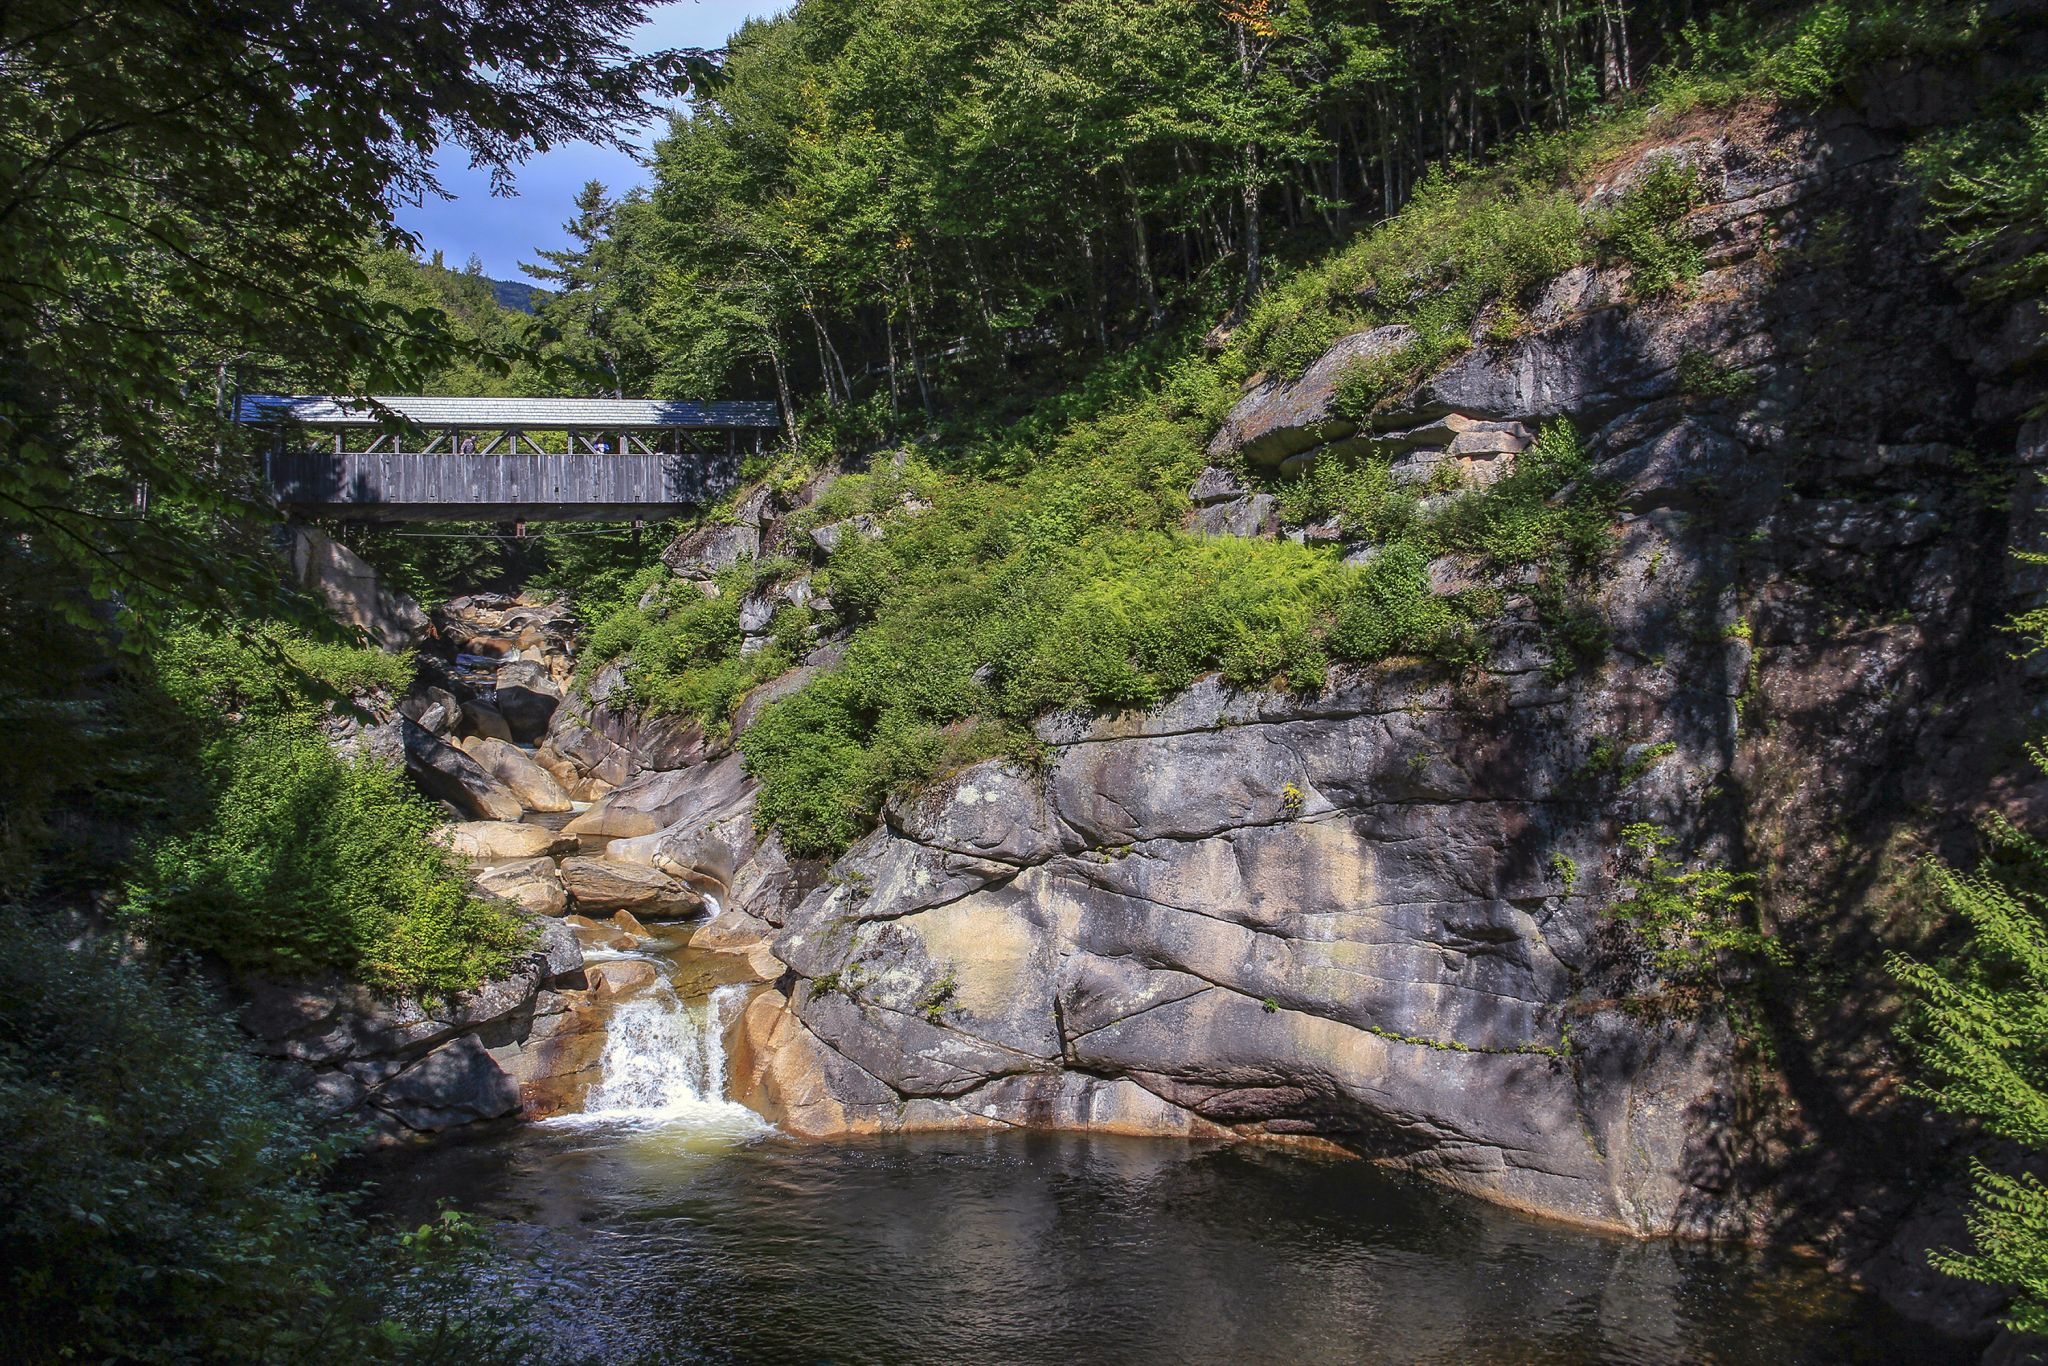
<point>666,1223</point>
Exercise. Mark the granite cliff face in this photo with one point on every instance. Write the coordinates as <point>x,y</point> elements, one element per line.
<point>1380,916</point>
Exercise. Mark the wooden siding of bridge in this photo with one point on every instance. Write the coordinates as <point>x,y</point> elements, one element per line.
<point>383,484</point>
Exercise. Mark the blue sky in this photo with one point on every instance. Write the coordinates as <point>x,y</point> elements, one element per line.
<point>504,232</point>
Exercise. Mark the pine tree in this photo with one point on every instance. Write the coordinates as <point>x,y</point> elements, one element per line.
<point>594,309</point>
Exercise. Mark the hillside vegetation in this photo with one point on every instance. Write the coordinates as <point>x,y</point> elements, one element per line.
<point>1003,264</point>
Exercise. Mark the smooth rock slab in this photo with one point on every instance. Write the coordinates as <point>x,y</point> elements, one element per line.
<point>457,1083</point>
<point>502,841</point>
<point>532,884</point>
<point>535,787</point>
<point>602,885</point>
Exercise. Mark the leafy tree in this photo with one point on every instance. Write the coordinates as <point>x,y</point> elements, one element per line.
<point>160,1202</point>
<point>599,308</point>
<point>924,197</point>
<point>307,863</point>
<point>184,194</point>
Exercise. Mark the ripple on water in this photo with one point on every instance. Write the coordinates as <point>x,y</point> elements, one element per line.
<point>674,1243</point>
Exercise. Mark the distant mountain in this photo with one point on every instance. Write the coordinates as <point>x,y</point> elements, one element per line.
<point>517,295</point>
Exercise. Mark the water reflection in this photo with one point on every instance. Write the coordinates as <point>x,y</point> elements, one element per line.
<point>680,1245</point>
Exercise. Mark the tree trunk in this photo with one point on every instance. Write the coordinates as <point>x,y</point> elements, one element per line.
<point>782,389</point>
<point>1148,288</point>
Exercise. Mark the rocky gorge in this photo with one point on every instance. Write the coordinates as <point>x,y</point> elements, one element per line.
<point>1388,915</point>
<point>1381,915</point>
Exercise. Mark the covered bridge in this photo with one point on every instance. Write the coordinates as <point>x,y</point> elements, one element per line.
<point>501,459</point>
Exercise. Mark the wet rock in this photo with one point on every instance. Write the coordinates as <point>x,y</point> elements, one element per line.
<point>603,885</point>
<point>457,1083</point>
<point>621,977</point>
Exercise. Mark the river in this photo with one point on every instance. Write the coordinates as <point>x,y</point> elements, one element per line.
<point>669,1224</point>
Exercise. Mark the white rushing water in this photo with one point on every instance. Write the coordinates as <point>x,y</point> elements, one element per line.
<point>664,1063</point>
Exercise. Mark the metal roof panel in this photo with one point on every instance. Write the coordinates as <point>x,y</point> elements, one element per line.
<point>543,414</point>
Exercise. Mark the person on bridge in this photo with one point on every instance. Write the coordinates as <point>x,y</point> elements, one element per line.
<point>468,446</point>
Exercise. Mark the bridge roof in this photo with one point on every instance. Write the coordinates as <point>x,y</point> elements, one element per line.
<point>542,414</point>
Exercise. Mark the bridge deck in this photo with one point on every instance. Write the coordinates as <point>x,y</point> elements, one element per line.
<point>622,458</point>
<point>496,487</point>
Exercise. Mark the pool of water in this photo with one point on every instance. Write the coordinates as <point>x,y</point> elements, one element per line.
<point>702,1236</point>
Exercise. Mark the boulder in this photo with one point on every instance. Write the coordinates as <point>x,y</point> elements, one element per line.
<point>579,785</point>
<point>828,537</point>
<point>457,1083</point>
<point>435,709</point>
<point>1217,484</point>
<point>351,590</point>
<point>535,787</point>
<point>602,885</point>
<point>502,841</point>
<point>446,774</point>
<point>704,552</point>
<point>532,884</point>
<point>486,720</point>
<point>527,697</point>
<point>1284,417</point>
<point>1250,514</point>
<point>655,801</point>
<point>621,977</point>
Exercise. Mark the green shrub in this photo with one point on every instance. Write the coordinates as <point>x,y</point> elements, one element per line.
<point>163,1204</point>
<point>1697,923</point>
<point>1701,376</point>
<point>1391,610</point>
<point>684,647</point>
<point>306,862</point>
<point>1979,1031</point>
<point>1988,195</point>
<point>1646,228</point>
<point>267,671</point>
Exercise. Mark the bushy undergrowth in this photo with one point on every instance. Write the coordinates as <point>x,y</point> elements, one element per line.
<point>1049,568</point>
<point>159,1203</point>
<point>1043,566</point>
<point>684,645</point>
<point>1075,586</point>
<point>308,862</point>
<point>267,670</point>
<point>287,858</point>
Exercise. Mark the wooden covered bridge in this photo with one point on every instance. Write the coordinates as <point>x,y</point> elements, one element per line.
<point>501,459</point>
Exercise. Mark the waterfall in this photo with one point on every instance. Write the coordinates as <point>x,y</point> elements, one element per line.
<point>664,1061</point>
